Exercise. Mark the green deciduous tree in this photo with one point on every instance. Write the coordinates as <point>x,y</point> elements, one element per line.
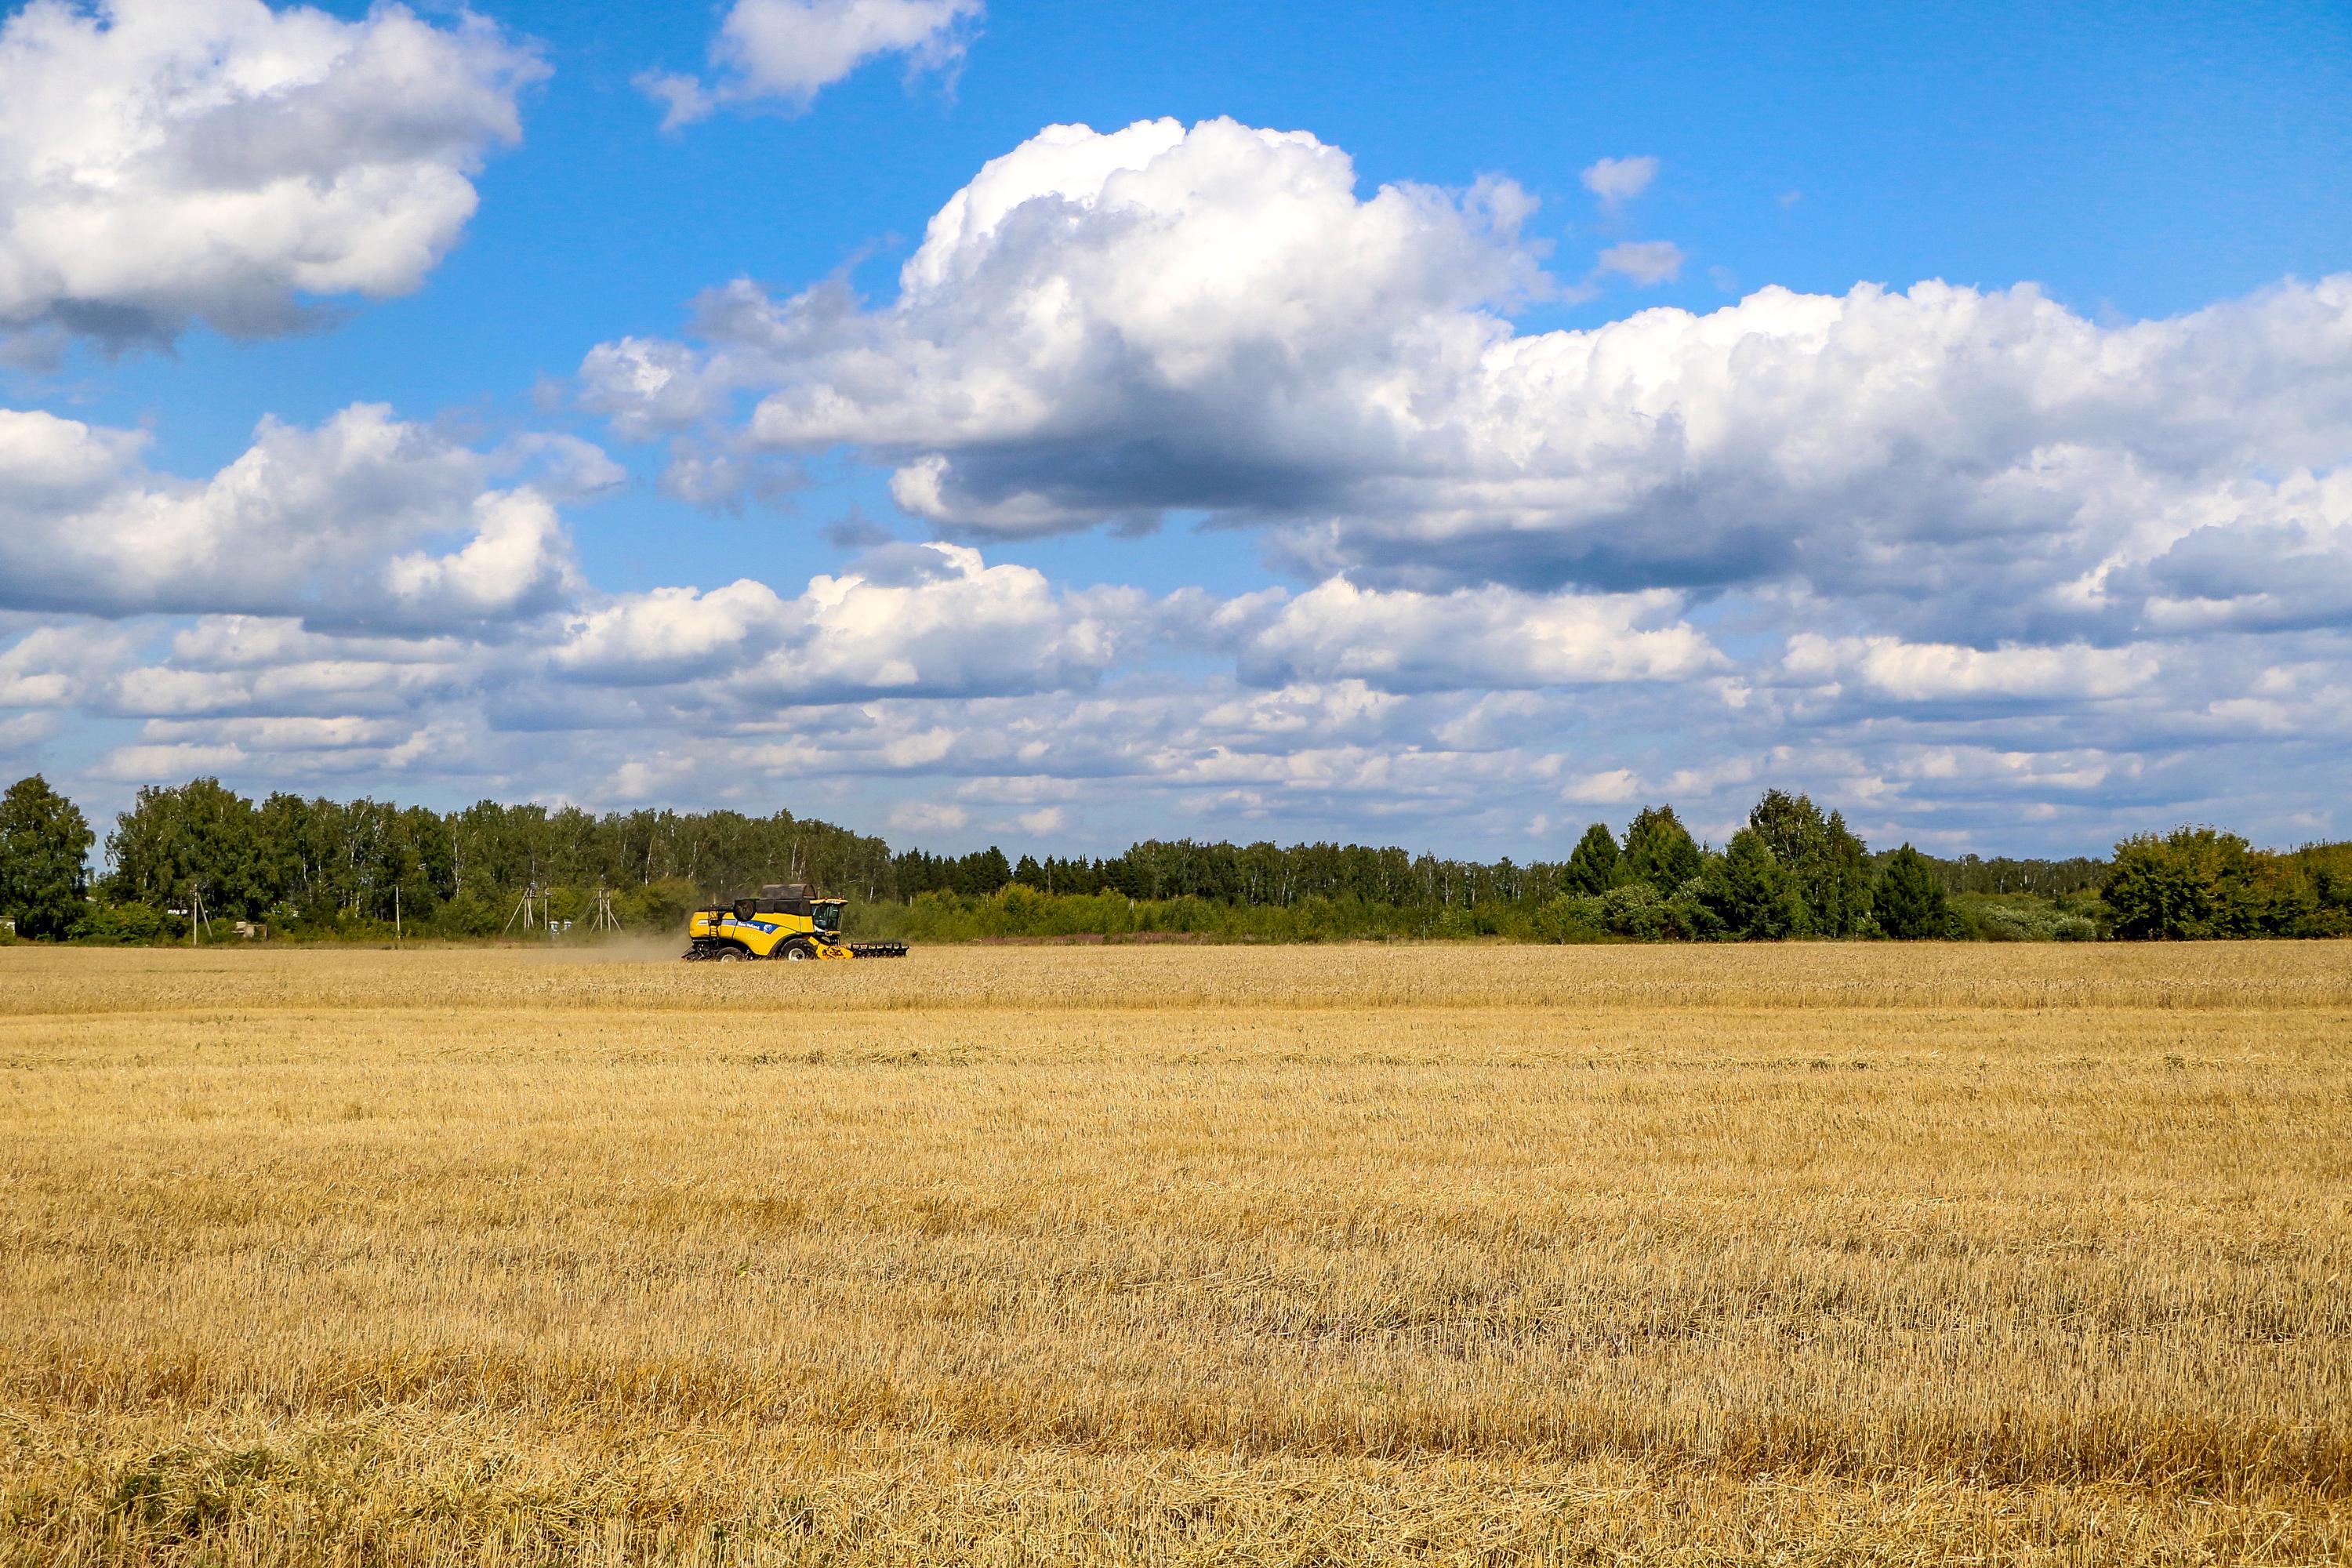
<point>1909,900</point>
<point>1827,864</point>
<point>200,837</point>
<point>44,843</point>
<point>2185,885</point>
<point>1836,880</point>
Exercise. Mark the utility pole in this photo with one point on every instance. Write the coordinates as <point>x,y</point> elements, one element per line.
<point>524,912</point>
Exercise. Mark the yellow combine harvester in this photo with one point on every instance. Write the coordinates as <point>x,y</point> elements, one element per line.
<point>787,921</point>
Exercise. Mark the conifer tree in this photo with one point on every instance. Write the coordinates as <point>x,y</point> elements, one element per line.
<point>1592,868</point>
<point>1909,900</point>
<point>1659,850</point>
<point>1751,892</point>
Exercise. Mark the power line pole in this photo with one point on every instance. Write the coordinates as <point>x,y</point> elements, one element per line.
<point>524,912</point>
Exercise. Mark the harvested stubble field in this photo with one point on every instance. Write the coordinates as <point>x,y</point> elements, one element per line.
<point>1325,1254</point>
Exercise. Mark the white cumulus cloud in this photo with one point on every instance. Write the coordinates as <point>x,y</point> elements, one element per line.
<point>518,561</point>
<point>1108,326</point>
<point>907,620</point>
<point>789,50</point>
<point>53,666</point>
<point>365,519</point>
<point>1619,179</point>
<point>168,161</point>
<point>1935,672</point>
<point>922,816</point>
<point>1477,637</point>
<point>1645,261</point>
<point>673,634</point>
<point>1611,786</point>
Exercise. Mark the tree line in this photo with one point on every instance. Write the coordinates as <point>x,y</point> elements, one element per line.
<point>318,867</point>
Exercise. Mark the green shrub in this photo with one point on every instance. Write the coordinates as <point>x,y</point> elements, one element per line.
<point>1636,911</point>
<point>468,915</point>
<point>2019,917</point>
<point>1568,918</point>
<point>121,925</point>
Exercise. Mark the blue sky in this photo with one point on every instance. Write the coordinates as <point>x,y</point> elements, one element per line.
<point>1269,556</point>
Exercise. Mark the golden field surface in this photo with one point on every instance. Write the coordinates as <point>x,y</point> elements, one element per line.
<point>1453,1253</point>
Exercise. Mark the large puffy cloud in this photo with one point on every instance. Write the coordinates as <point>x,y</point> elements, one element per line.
<point>342,523</point>
<point>2263,557</point>
<point>908,621</point>
<point>162,160</point>
<point>1999,464</point>
<point>518,561</point>
<point>668,635</point>
<point>1109,327</point>
<point>789,50</point>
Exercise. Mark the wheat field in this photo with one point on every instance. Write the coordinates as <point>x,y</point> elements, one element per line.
<point>1308,1256</point>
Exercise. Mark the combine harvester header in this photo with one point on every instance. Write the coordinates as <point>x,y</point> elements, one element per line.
<point>787,920</point>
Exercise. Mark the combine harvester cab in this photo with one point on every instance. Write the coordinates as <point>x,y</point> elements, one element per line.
<point>787,920</point>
